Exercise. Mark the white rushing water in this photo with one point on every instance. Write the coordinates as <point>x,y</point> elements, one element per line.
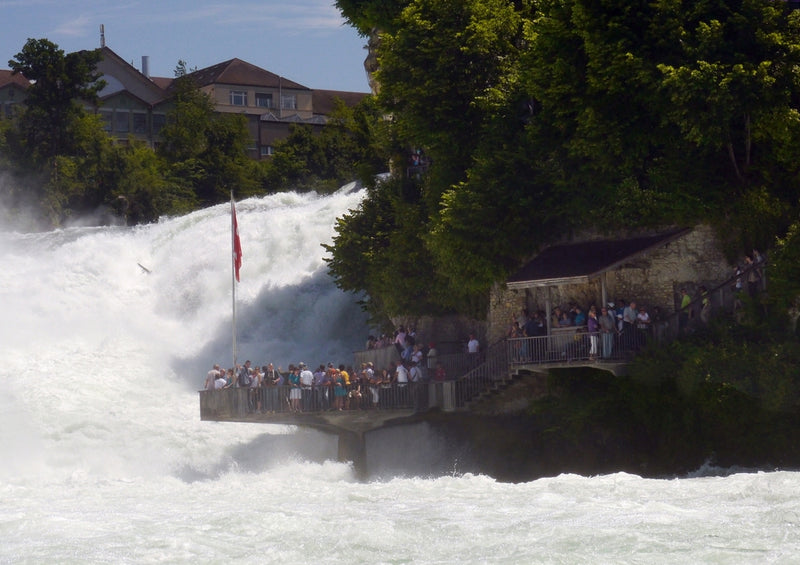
<point>103,458</point>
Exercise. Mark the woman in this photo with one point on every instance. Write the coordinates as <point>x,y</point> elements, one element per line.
<point>295,393</point>
<point>339,390</point>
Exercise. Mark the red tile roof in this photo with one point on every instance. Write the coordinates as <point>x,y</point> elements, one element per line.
<point>8,77</point>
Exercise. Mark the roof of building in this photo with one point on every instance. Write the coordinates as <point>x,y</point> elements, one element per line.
<point>242,73</point>
<point>324,100</point>
<point>580,262</point>
<point>8,77</point>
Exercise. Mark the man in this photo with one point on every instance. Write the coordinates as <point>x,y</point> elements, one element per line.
<point>306,383</point>
<point>629,324</point>
<point>212,377</point>
<point>401,378</point>
<point>608,328</point>
<point>320,396</point>
<point>417,386</point>
<point>243,376</point>
<point>473,347</point>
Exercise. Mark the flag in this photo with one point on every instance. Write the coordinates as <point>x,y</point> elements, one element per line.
<point>237,245</point>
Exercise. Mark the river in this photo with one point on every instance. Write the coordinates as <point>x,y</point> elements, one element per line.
<point>103,457</point>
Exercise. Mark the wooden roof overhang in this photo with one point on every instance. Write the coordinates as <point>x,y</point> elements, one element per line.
<point>579,263</point>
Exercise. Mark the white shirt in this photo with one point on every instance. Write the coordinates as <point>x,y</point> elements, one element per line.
<point>473,345</point>
<point>402,374</point>
<point>306,377</point>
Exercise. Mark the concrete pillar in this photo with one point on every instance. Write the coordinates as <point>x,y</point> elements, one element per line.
<point>353,447</point>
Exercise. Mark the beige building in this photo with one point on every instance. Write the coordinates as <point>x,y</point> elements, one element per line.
<point>134,105</point>
<point>270,103</point>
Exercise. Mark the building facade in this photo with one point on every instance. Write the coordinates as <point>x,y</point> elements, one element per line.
<point>134,106</point>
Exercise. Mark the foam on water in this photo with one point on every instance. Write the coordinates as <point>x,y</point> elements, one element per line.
<point>103,457</point>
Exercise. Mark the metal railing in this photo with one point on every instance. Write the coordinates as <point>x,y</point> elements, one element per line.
<point>235,402</point>
<point>470,375</point>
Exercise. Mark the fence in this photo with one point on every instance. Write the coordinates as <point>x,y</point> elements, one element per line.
<point>233,402</point>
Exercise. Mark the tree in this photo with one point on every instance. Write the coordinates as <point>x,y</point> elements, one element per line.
<point>206,151</point>
<point>59,84</point>
<point>343,151</point>
<point>558,115</point>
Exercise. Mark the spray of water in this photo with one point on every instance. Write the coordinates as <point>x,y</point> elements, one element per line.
<point>103,356</point>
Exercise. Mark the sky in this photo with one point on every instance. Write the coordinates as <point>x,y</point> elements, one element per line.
<point>306,41</point>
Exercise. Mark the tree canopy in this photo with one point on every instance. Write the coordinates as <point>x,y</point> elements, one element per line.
<point>542,117</point>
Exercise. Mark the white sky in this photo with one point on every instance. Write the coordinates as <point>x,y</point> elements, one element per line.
<point>306,41</point>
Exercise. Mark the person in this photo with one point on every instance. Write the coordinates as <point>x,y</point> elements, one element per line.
<point>385,383</point>
<point>441,374</point>
<point>629,324</point>
<point>705,308</point>
<point>608,328</point>
<point>593,327</point>
<point>417,386</point>
<point>339,390</point>
<point>306,383</point>
<point>400,339</point>
<point>211,378</point>
<point>221,381</point>
<point>318,388</point>
<point>433,354</point>
<point>753,276</point>
<point>243,376</point>
<point>643,322</point>
<point>473,349</point>
<point>275,392</point>
<point>243,380</point>
<point>229,378</point>
<point>295,393</point>
<point>255,385</point>
<point>401,378</point>
<point>580,317</point>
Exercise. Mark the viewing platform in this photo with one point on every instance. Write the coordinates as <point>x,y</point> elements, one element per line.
<point>470,379</point>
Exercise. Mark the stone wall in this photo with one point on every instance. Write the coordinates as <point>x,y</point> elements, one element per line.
<point>653,279</point>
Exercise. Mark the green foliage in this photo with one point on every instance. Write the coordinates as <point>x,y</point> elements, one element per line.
<point>52,105</point>
<point>344,150</point>
<point>206,151</point>
<point>751,360</point>
<point>784,272</point>
<point>543,118</point>
<point>365,15</point>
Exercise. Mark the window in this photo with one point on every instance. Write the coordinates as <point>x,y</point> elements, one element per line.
<point>288,101</point>
<point>122,121</point>
<point>263,100</point>
<point>238,98</point>
<point>139,122</point>
<point>159,121</point>
<point>107,118</point>
<point>267,150</point>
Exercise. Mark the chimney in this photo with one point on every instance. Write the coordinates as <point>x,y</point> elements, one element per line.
<point>146,65</point>
<point>102,35</point>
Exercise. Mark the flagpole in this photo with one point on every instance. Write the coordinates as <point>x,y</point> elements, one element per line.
<point>234,227</point>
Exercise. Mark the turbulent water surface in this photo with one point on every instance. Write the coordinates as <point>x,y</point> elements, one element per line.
<point>103,458</point>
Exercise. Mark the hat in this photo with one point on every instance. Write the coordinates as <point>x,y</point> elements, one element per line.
<point>301,365</point>
<point>610,304</point>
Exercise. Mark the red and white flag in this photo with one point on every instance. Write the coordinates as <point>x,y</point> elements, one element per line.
<point>237,245</point>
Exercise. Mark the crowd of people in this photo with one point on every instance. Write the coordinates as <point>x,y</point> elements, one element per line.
<point>615,327</point>
<point>299,389</point>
